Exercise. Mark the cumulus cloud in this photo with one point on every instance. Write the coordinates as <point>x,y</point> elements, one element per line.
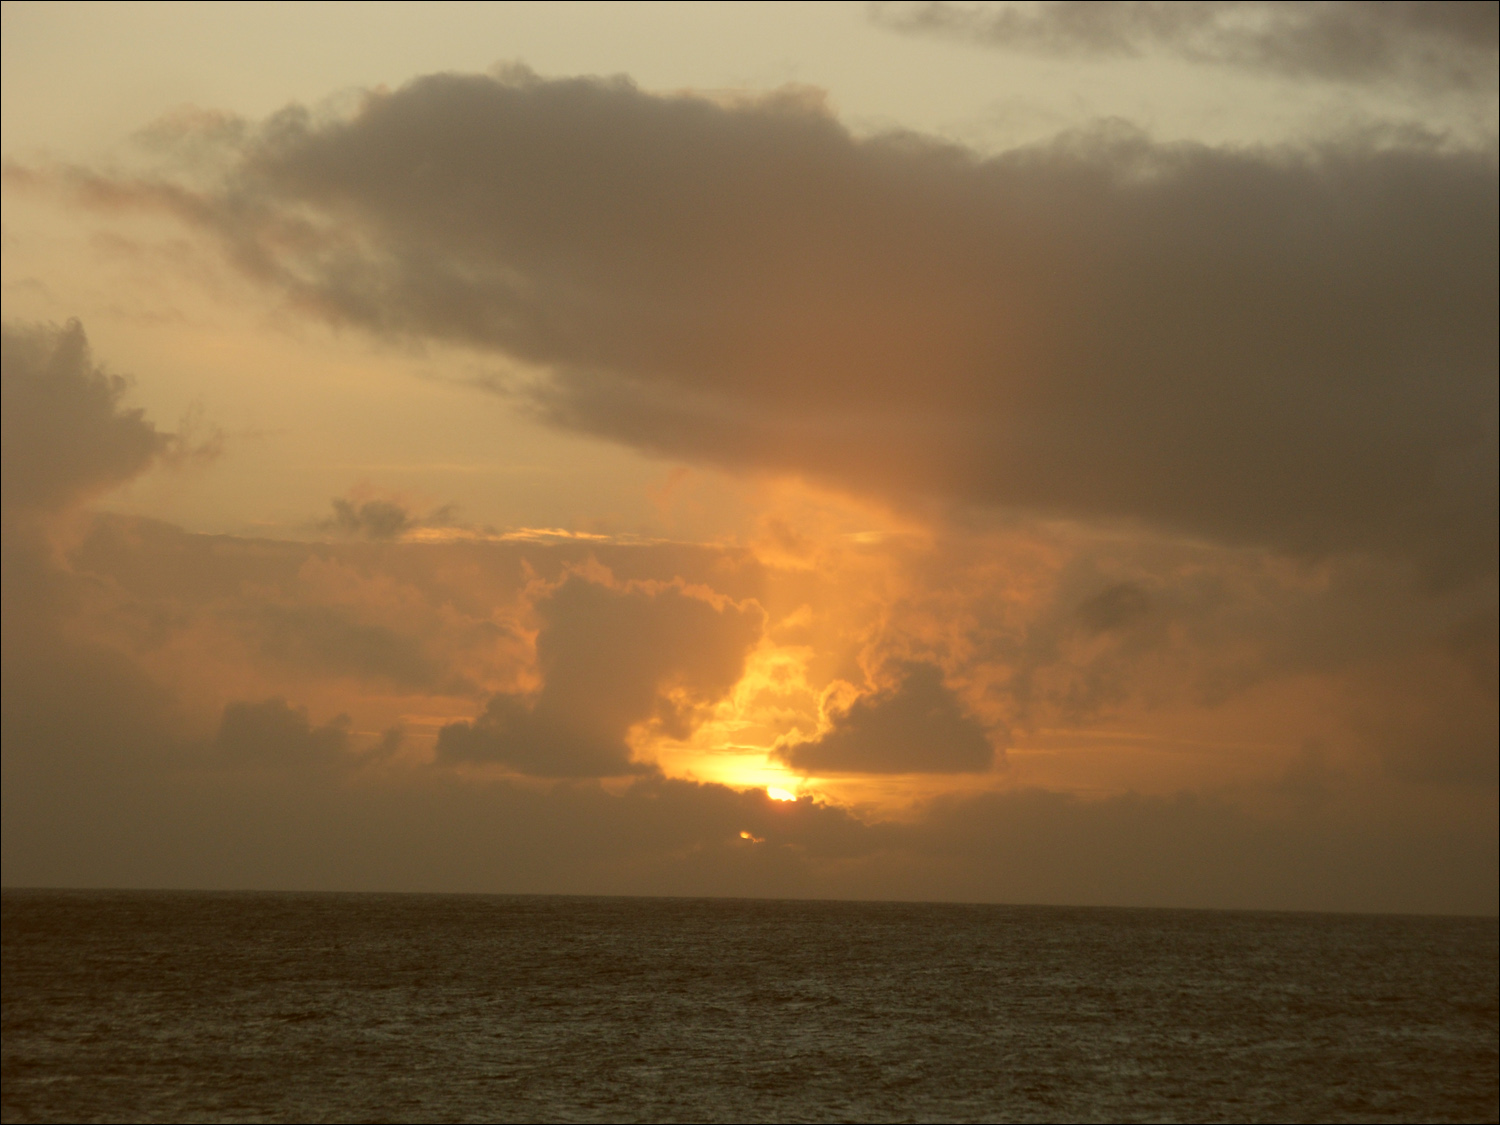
<point>66,436</point>
<point>1434,44</point>
<point>1289,347</point>
<point>918,726</point>
<point>610,657</point>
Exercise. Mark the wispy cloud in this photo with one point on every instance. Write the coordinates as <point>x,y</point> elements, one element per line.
<point>1435,45</point>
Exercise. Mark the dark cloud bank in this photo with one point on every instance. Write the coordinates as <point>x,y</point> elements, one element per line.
<point>1289,347</point>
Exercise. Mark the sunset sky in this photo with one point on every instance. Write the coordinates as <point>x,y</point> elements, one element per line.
<point>493,447</point>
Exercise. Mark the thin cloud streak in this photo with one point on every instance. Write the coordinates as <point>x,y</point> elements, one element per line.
<point>1429,43</point>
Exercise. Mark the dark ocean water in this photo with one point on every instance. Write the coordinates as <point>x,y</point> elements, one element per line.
<point>282,1007</point>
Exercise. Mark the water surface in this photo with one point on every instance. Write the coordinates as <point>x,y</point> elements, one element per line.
<point>280,1007</point>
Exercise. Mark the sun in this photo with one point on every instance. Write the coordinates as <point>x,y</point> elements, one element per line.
<point>780,794</point>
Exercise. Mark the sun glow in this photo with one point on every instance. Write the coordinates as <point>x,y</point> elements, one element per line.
<point>833,566</point>
<point>735,743</point>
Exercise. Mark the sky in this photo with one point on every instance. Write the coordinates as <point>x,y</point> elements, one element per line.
<point>1035,453</point>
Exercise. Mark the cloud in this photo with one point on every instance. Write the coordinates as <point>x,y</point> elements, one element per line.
<point>381,519</point>
<point>1440,45</point>
<point>660,837</point>
<point>917,726</point>
<point>378,519</point>
<point>1428,722</point>
<point>1286,347</point>
<point>324,638</point>
<point>105,784</point>
<point>160,688</point>
<point>610,657</point>
<point>275,732</point>
<point>1114,608</point>
<point>1044,628</point>
<point>66,437</point>
<point>77,713</point>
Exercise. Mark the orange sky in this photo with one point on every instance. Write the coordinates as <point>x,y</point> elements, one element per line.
<point>1061,454</point>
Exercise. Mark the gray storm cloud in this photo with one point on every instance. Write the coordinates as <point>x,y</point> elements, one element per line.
<point>1435,44</point>
<point>1287,347</point>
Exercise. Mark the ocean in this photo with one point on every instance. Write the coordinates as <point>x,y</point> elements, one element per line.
<point>178,1006</point>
